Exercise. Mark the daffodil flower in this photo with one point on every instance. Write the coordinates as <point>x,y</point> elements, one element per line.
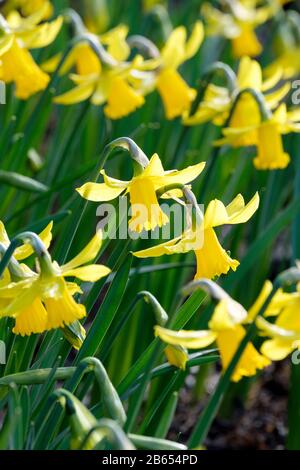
<point>284,333</point>
<point>85,60</point>
<point>19,35</point>
<point>226,329</point>
<point>44,300</point>
<point>146,212</point>
<point>28,7</point>
<point>238,22</point>
<point>267,137</point>
<point>174,91</point>
<point>218,100</point>
<point>212,259</point>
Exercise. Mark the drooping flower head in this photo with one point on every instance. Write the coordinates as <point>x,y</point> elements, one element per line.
<point>44,300</point>
<point>226,329</point>
<point>218,100</point>
<point>267,137</point>
<point>238,21</point>
<point>212,259</point>
<point>142,188</point>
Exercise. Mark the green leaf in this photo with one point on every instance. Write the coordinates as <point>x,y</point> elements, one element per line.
<point>106,313</point>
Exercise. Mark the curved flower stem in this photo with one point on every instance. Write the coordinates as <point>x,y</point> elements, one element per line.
<point>258,97</point>
<point>112,432</point>
<point>71,16</point>
<point>144,45</point>
<point>136,154</point>
<point>215,68</point>
<point>25,237</point>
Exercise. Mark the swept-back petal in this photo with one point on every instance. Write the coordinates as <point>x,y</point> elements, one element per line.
<point>91,273</point>
<point>190,339</point>
<point>89,253</point>
<point>24,251</point>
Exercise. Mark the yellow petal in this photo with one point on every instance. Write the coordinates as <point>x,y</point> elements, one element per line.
<point>5,43</point>
<point>3,235</point>
<point>41,35</point>
<point>155,167</point>
<point>189,339</point>
<point>158,250</point>
<point>177,356</point>
<point>91,273</point>
<point>249,74</point>
<point>254,309</point>
<point>88,253</point>
<point>115,40</point>
<point>215,214</point>
<point>194,41</point>
<point>76,95</point>
<point>51,64</point>
<point>24,251</point>
<point>100,192</point>
<point>276,349</point>
<point>274,98</point>
<point>173,53</point>
<point>272,79</point>
<point>185,176</point>
<point>238,212</point>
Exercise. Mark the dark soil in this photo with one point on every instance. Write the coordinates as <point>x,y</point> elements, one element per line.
<point>260,423</point>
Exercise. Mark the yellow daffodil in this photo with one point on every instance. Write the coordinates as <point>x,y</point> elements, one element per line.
<point>212,259</point>
<point>238,22</point>
<point>44,300</point>
<point>267,136</point>
<point>16,63</point>
<point>28,7</point>
<point>85,60</point>
<point>174,91</point>
<point>111,86</point>
<point>284,333</point>
<point>218,100</point>
<point>225,327</point>
<point>146,212</point>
